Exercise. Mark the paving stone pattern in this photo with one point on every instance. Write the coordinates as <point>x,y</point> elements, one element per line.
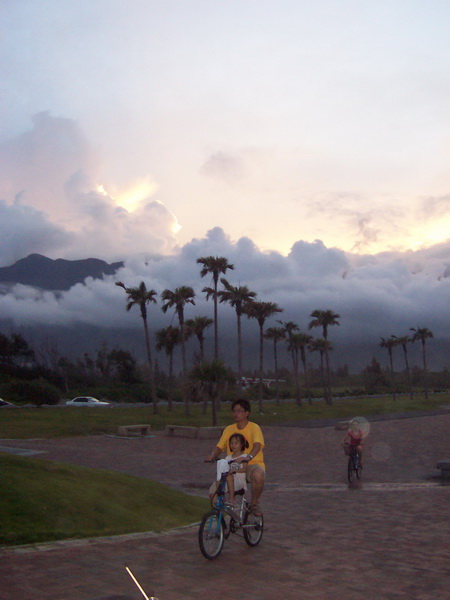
<point>385,539</point>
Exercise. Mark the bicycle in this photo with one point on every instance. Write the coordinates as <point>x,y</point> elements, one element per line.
<point>217,525</point>
<point>354,468</point>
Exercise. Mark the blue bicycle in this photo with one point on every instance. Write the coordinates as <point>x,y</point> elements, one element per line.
<point>224,519</point>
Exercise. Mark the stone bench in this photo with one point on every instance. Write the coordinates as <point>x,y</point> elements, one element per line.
<point>133,430</point>
<point>444,466</point>
<point>203,433</point>
<point>181,430</point>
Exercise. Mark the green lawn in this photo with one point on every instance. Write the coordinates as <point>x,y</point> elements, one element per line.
<point>74,421</point>
<point>45,500</point>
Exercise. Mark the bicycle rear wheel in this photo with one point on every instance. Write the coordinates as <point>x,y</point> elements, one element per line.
<point>351,474</point>
<point>253,529</point>
<point>211,535</point>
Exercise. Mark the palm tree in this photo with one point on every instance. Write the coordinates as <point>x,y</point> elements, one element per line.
<point>422,334</point>
<point>237,297</point>
<point>293,348</point>
<point>301,341</point>
<point>322,346</point>
<point>261,311</point>
<point>290,327</point>
<point>167,339</point>
<point>389,345</point>
<point>141,297</point>
<point>325,319</point>
<point>212,377</point>
<point>178,299</point>
<point>403,342</point>
<point>197,327</point>
<point>275,334</point>
<point>215,265</point>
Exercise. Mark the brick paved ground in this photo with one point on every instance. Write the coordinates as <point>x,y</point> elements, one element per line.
<point>387,539</point>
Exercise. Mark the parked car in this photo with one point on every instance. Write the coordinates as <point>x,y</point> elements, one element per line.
<point>86,401</point>
<point>4,404</point>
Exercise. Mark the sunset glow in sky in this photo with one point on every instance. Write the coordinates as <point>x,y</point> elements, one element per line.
<point>306,141</point>
<point>278,121</point>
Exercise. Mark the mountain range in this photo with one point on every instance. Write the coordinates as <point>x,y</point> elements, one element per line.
<point>58,275</point>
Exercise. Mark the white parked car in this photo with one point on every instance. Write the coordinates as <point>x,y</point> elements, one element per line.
<point>86,401</point>
<point>4,404</point>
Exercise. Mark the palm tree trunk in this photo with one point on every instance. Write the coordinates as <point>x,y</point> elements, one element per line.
<point>150,365</point>
<point>183,349</point>
<point>305,372</point>
<point>261,367</point>
<point>394,394</point>
<point>329,395</point>
<point>425,370</point>
<point>298,390</point>
<point>322,370</point>
<point>296,382</point>
<point>239,334</point>
<point>170,386</point>
<point>277,385</point>
<point>216,327</point>
<point>214,408</point>
<point>408,373</point>
<point>187,409</point>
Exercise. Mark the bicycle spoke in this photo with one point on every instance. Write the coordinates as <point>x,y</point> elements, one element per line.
<point>211,535</point>
<point>253,529</point>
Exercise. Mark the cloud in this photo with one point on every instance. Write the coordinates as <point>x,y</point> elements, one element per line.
<point>224,166</point>
<point>375,295</point>
<point>54,200</point>
<point>435,207</point>
<point>24,230</point>
<point>51,177</point>
<point>367,220</point>
<point>39,162</point>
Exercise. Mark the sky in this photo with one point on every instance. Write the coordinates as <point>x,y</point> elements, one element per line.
<point>309,142</point>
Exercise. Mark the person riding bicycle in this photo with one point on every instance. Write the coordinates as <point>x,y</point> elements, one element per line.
<point>256,469</point>
<point>236,479</point>
<point>353,439</point>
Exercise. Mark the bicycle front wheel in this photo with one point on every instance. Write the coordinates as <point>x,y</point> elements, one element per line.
<point>253,529</point>
<point>211,535</point>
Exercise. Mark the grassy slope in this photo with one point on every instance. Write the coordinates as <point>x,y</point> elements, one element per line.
<point>44,500</point>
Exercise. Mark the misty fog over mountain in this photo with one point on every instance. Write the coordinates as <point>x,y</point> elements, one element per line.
<point>376,296</point>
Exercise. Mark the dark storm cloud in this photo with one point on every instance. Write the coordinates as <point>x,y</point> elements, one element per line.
<point>25,230</point>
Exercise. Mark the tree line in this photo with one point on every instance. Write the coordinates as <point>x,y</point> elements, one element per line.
<point>421,334</point>
<point>212,376</point>
<point>245,303</point>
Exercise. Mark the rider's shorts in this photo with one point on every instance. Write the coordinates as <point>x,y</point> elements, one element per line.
<point>251,468</point>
